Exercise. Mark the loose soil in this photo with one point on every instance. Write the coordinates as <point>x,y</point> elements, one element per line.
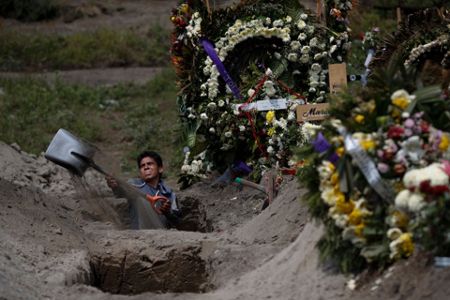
<point>65,237</point>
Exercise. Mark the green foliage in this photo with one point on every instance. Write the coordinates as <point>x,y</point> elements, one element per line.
<point>32,111</point>
<point>365,20</point>
<point>101,48</point>
<point>432,226</point>
<point>29,10</point>
<point>332,247</point>
<point>368,28</point>
<point>147,125</point>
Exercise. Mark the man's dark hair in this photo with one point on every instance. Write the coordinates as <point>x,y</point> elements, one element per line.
<point>151,154</point>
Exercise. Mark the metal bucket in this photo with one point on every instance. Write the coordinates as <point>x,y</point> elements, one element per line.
<point>70,152</point>
<point>77,155</point>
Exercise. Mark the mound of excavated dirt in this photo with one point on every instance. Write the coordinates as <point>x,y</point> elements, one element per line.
<point>63,237</point>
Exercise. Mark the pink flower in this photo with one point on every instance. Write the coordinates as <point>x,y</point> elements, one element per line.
<point>408,132</point>
<point>446,167</point>
<point>409,123</point>
<point>383,168</point>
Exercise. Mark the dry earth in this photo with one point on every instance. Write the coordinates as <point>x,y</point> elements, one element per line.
<point>64,237</point>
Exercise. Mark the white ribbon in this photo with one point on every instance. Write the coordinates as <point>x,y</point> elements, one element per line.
<point>367,167</point>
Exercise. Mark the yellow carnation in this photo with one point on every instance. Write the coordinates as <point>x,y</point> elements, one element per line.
<point>401,99</point>
<point>406,244</point>
<point>359,229</point>
<point>401,102</point>
<point>270,116</point>
<point>443,145</point>
<point>343,206</point>
<point>184,8</point>
<point>367,144</point>
<point>334,178</point>
<point>340,151</point>
<point>355,217</point>
<point>359,119</point>
<point>400,219</point>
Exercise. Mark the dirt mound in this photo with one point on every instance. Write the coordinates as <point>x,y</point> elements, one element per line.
<point>61,234</point>
<point>63,237</point>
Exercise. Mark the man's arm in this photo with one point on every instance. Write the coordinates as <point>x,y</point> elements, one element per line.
<point>114,186</point>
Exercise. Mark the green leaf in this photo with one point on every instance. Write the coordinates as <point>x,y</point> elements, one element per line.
<point>371,252</point>
<point>425,95</point>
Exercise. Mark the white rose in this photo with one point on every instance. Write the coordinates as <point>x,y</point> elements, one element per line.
<point>278,23</point>
<point>301,24</point>
<point>195,168</point>
<point>295,45</point>
<point>332,49</point>
<point>186,168</point>
<point>394,233</point>
<point>302,36</point>
<point>292,57</point>
<point>313,42</point>
<point>305,49</point>
<point>316,68</point>
<point>416,202</point>
<point>402,198</point>
<point>304,58</point>
<point>212,105</point>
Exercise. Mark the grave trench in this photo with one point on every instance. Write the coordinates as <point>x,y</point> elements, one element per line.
<point>128,273</point>
<point>180,270</point>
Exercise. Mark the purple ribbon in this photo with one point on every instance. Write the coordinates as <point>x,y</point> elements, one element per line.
<point>209,49</point>
<point>241,168</point>
<point>321,145</point>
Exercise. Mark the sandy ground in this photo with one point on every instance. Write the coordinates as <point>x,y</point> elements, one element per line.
<point>65,237</point>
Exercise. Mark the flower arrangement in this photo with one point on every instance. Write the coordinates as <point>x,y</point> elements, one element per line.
<point>228,59</point>
<point>377,189</point>
<point>421,42</point>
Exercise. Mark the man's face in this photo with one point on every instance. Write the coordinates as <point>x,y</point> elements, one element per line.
<point>149,169</point>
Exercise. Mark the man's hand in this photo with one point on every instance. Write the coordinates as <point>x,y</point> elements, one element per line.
<point>165,207</point>
<point>111,182</point>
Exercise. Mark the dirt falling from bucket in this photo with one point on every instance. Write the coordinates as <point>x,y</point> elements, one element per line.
<point>97,208</point>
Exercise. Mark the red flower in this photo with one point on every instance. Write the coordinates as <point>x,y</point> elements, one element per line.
<point>424,126</point>
<point>425,187</point>
<point>388,154</point>
<point>399,168</point>
<point>395,132</point>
